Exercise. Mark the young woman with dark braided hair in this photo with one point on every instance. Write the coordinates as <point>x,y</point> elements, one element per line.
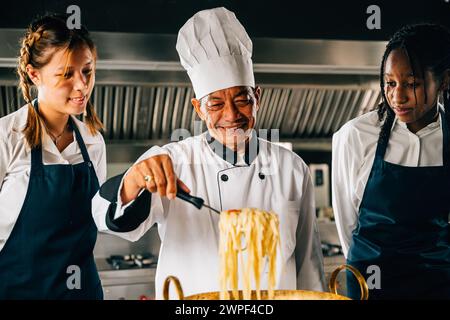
<point>51,165</point>
<point>391,173</point>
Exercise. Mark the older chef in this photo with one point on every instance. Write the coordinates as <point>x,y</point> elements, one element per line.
<point>228,166</point>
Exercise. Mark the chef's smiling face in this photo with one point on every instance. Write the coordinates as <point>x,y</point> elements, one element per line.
<point>66,82</point>
<point>405,93</point>
<point>230,114</point>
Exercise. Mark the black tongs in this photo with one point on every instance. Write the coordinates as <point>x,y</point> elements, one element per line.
<point>196,201</point>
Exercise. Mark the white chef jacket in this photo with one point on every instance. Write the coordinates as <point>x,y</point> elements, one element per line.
<point>15,163</point>
<point>190,237</point>
<point>353,153</point>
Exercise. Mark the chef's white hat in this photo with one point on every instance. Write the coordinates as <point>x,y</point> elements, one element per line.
<point>216,51</point>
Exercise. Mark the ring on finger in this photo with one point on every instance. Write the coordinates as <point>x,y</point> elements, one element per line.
<point>148,178</point>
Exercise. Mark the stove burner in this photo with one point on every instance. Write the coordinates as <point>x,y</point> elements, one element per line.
<point>330,250</point>
<point>132,261</point>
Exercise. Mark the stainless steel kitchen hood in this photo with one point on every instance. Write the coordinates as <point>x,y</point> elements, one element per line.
<point>310,88</point>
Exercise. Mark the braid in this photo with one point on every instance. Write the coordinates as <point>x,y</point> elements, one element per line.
<point>92,120</point>
<point>33,127</point>
<point>384,111</point>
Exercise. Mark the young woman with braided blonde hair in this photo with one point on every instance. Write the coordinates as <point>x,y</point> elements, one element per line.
<point>51,165</point>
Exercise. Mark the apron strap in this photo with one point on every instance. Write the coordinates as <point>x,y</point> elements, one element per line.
<point>446,139</point>
<point>36,153</point>
<point>36,161</point>
<point>80,141</point>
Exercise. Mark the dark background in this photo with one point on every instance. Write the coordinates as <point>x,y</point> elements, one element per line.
<point>282,19</point>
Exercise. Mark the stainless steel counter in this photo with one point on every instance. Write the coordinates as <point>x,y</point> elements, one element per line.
<point>127,284</point>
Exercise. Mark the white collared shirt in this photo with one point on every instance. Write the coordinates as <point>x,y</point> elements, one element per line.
<point>277,179</point>
<point>15,163</point>
<point>354,147</point>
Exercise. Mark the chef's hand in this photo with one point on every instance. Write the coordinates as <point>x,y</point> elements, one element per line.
<point>163,179</point>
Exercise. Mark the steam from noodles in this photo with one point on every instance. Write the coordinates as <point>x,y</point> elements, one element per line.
<point>256,232</point>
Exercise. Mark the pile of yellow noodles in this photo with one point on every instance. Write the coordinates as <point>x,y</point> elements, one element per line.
<point>257,232</point>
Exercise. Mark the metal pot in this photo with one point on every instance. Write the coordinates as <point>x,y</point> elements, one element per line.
<point>279,294</point>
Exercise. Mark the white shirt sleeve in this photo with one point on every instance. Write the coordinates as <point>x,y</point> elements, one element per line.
<point>308,250</point>
<point>4,157</point>
<point>346,162</point>
<point>101,165</point>
<point>100,206</point>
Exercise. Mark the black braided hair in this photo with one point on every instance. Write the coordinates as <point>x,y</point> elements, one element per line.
<point>428,46</point>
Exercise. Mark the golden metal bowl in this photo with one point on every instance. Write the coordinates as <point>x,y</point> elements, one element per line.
<point>278,294</point>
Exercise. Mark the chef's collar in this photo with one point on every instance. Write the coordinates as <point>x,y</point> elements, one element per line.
<point>231,156</point>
